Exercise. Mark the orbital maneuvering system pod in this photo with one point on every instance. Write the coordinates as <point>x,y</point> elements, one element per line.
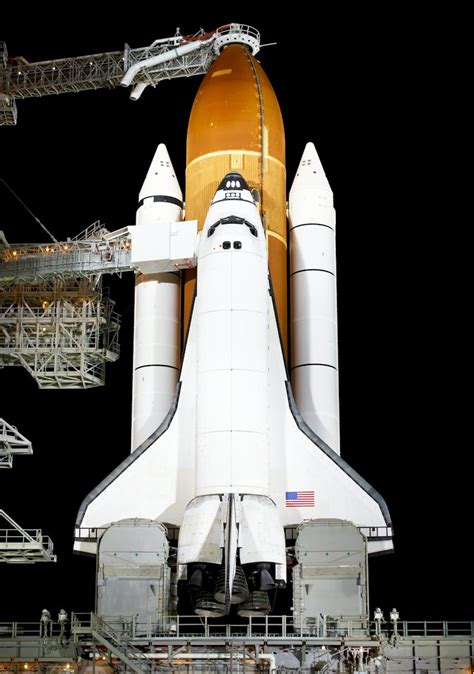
<point>224,448</point>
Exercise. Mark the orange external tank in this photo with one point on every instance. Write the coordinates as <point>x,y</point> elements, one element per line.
<point>236,125</point>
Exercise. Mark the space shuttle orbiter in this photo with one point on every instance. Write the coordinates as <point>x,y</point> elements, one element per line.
<point>220,448</point>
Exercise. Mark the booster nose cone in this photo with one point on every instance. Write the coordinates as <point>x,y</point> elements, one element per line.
<point>160,199</point>
<point>161,181</point>
<point>233,181</point>
<point>310,173</point>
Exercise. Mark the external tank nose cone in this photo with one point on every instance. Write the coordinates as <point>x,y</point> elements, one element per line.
<point>236,111</point>
<point>233,181</point>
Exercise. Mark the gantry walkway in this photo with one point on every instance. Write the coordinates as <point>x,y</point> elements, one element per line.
<point>190,643</point>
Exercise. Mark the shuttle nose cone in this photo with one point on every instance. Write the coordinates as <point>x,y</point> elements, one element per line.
<point>233,181</point>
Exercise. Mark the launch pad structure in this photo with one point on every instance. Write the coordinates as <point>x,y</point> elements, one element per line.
<point>272,643</point>
<point>193,548</point>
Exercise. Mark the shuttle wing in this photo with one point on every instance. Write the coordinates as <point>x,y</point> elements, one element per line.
<point>157,480</point>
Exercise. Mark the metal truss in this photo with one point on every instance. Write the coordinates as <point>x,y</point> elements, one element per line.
<point>90,253</point>
<point>62,331</point>
<point>11,442</point>
<point>24,546</point>
<point>8,112</point>
<point>169,58</point>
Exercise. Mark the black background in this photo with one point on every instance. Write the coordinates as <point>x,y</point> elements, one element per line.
<point>372,92</point>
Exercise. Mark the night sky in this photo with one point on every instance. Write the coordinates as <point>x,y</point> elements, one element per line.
<point>370,100</point>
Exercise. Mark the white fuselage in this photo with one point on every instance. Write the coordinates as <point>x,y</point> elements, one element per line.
<point>232,454</point>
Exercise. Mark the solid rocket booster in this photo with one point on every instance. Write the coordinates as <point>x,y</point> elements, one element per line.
<point>157,308</point>
<point>314,363</point>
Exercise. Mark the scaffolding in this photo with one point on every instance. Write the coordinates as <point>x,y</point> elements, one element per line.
<point>11,442</point>
<point>24,546</point>
<point>88,254</point>
<point>62,331</point>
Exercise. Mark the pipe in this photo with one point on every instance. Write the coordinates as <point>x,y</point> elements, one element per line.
<point>162,58</point>
<point>194,656</point>
<point>271,660</point>
<point>269,657</point>
<point>138,90</point>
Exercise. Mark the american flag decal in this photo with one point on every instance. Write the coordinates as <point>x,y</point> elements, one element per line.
<point>299,499</point>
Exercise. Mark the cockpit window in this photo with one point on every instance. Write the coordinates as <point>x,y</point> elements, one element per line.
<point>232,184</point>
<point>232,220</point>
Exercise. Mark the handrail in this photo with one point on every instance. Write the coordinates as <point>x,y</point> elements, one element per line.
<point>124,629</point>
